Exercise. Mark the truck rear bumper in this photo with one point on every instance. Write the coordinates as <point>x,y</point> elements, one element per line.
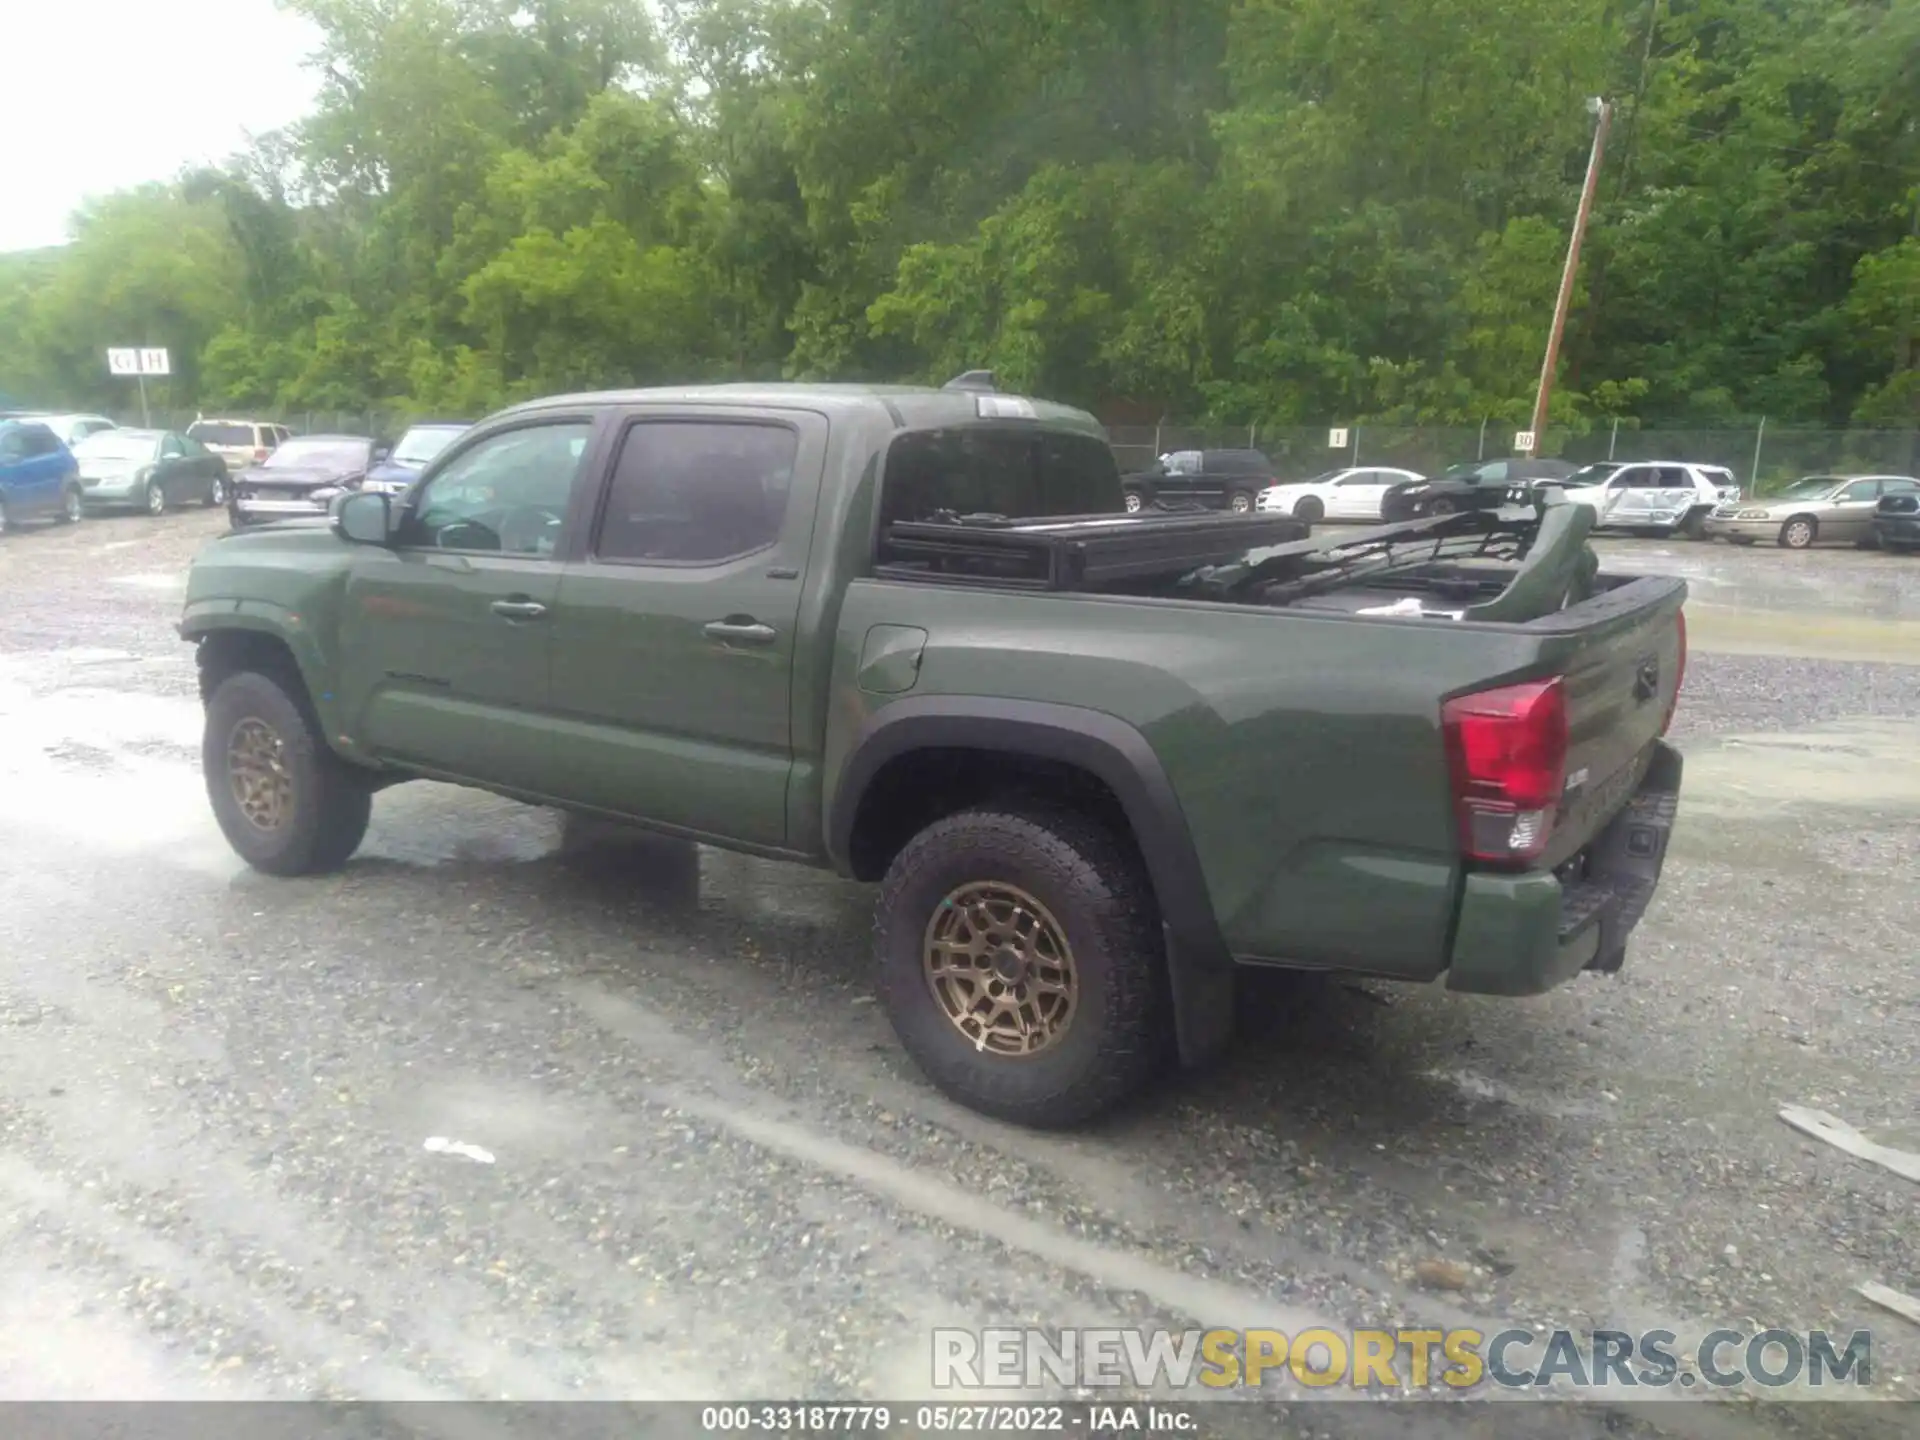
<point>1526,934</point>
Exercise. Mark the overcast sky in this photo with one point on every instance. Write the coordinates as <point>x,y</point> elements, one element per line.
<point>102,94</point>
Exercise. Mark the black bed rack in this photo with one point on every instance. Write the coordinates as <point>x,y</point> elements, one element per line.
<point>1073,552</point>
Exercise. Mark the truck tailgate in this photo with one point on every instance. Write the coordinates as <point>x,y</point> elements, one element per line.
<point>1622,658</point>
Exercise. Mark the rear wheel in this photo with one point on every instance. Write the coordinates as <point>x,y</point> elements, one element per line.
<point>1241,503</point>
<point>73,506</point>
<point>286,803</point>
<point>1441,507</point>
<point>216,494</point>
<point>1021,964</point>
<point>1799,532</point>
<point>1695,526</point>
<point>1136,502</point>
<point>1310,510</point>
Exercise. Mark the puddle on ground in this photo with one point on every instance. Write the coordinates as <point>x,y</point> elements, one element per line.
<point>1867,764</point>
<point>1713,628</point>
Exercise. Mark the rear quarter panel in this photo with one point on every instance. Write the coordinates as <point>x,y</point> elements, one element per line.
<point>1305,750</point>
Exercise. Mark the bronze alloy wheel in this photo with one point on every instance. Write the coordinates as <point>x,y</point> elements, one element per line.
<point>257,770</point>
<point>1000,968</point>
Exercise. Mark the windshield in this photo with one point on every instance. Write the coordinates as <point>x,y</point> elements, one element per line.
<point>117,445</point>
<point>320,455</point>
<point>208,433</point>
<point>1812,488</point>
<point>1590,475</point>
<point>423,442</point>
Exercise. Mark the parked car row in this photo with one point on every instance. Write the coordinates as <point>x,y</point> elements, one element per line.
<point>1643,497</point>
<point>58,467</point>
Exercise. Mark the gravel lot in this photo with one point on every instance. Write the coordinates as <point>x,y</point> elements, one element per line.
<point>715,1174</point>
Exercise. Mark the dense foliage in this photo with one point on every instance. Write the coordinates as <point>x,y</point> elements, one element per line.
<point>1267,211</point>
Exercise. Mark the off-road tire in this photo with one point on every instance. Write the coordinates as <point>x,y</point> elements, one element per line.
<point>330,803</point>
<point>1791,533</point>
<point>1310,510</point>
<point>1097,890</point>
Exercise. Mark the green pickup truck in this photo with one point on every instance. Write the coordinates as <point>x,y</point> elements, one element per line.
<point>1098,762</point>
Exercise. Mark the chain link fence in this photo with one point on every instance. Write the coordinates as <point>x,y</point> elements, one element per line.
<point>384,425</point>
<point>1764,457</point>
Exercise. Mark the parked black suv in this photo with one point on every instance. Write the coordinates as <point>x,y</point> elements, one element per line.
<point>1217,479</point>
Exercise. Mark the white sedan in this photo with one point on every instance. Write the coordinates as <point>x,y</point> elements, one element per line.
<point>1353,494</point>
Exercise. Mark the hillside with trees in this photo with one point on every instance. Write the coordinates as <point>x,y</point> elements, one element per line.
<point>1252,211</point>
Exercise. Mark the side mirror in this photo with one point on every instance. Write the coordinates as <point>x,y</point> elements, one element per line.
<point>363,517</point>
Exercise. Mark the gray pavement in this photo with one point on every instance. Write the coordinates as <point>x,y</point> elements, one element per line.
<point>715,1175</point>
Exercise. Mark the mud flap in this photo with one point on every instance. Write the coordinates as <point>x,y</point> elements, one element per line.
<point>1625,861</point>
<point>1203,1002</point>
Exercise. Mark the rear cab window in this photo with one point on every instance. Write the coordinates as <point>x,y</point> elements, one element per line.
<point>1022,474</point>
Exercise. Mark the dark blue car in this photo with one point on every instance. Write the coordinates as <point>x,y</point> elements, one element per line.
<point>39,479</point>
<point>402,465</point>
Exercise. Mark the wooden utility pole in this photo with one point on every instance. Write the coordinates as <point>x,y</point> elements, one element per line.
<point>1603,113</point>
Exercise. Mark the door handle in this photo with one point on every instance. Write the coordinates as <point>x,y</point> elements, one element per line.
<point>518,609</point>
<point>741,630</point>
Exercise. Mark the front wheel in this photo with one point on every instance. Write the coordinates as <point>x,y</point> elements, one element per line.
<point>1798,533</point>
<point>216,494</point>
<point>286,803</point>
<point>1241,503</point>
<point>73,507</point>
<point>4,523</point>
<point>1310,510</point>
<point>1897,547</point>
<point>155,499</point>
<point>1022,965</point>
<point>1135,502</point>
<point>1440,507</point>
<point>1695,527</point>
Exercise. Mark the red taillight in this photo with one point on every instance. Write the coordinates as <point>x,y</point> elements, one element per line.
<point>1508,751</point>
<point>1679,672</point>
<point>260,453</point>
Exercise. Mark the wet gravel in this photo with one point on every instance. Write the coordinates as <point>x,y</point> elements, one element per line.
<point>714,1174</point>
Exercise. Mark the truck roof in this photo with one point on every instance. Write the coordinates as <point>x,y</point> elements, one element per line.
<point>906,407</point>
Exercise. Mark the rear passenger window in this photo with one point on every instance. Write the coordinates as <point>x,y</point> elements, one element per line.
<point>697,492</point>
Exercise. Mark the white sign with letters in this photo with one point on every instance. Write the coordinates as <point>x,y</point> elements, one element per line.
<point>1523,443</point>
<point>145,360</point>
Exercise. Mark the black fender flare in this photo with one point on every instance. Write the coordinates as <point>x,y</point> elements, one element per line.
<point>1200,967</point>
